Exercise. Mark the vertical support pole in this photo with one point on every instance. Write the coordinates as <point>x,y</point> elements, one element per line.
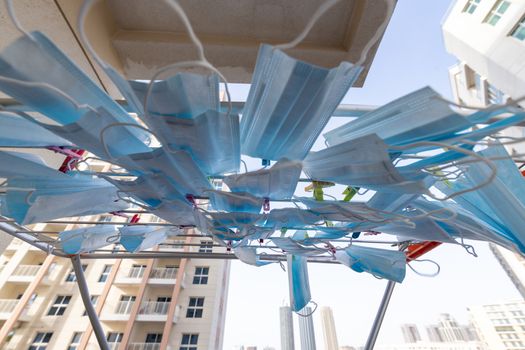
<point>378,321</point>
<point>374,332</point>
<point>86,299</point>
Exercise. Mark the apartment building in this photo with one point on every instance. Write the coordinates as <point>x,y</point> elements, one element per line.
<point>143,304</point>
<point>500,326</point>
<point>488,39</point>
<point>135,299</point>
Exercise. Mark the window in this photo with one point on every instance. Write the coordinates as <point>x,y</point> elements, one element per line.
<point>471,6</point>
<point>189,342</point>
<point>497,12</point>
<point>105,218</point>
<point>105,273</point>
<point>114,338</point>
<point>195,308</point>
<point>75,341</point>
<point>41,340</point>
<point>155,338</point>
<point>125,304</point>
<point>94,299</point>
<point>519,31</point>
<point>206,247</point>
<point>137,271</point>
<point>201,275</point>
<point>71,277</point>
<point>59,307</point>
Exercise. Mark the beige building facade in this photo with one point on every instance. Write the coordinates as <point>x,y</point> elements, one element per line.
<point>143,304</point>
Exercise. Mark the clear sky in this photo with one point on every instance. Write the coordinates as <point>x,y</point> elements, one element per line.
<point>411,56</point>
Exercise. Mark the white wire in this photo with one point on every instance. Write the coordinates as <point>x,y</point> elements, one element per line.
<point>202,61</point>
<point>14,18</point>
<point>84,10</point>
<point>438,270</point>
<point>313,20</point>
<point>379,32</point>
<point>491,165</point>
<point>103,131</point>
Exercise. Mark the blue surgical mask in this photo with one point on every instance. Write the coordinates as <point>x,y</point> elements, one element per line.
<point>20,164</point>
<point>85,132</point>
<point>139,238</point>
<point>389,264</point>
<point>276,183</point>
<point>298,281</point>
<point>289,104</point>
<point>235,201</point>
<point>87,239</point>
<point>33,200</point>
<point>211,138</point>
<point>151,189</point>
<point>177,212</point>
<point>248,255</point>
<point>184,95</point>
<point>289,218</point>
<point>291,246</point>
<point>420,115</point>
<point>362,162</point>
<point>35,58</point>
<point>178,166</point>
<point>16,131</point>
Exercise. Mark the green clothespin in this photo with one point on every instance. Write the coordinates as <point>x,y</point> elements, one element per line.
<point>349,193</point>
<point>318,193</point>
<point>283,231</point>
<point>329,224</point>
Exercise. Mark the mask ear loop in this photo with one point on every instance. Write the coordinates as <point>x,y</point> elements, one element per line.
<point>103,131</point>
<point>438,268</point>
<point>130,201</point>
<point>309,314</point>
<point>14,18</point>
<point>490,164</point>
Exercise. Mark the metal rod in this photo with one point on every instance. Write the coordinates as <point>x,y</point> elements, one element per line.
<point>378,321</point>
<point>374,332</point>
<point>86,299</point>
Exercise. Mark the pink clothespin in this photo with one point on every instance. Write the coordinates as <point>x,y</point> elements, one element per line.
<point>191,199</point>
<point>266,204</point>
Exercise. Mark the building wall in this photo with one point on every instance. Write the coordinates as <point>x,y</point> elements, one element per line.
<point>487,54</point>
<point>35,319</point>
<point>500,326</point>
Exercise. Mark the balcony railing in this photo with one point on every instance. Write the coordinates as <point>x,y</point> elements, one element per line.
<point>8,305</point>
<point>144,346</point>
<point>124,307</point>
<point>136,272</point>
<point>164,273</point>
<point>154,308</point>
<point>26,270</point>
<point>114,346</point>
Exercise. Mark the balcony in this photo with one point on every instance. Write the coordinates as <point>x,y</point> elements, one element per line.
<point>143,346</point>
<point>172,245</point>
<point>8,305</point>
<point>121,312</point>
<point>26,274</point>
<point>133,277</point>
<point>163,276</point>
<point>153,311</point>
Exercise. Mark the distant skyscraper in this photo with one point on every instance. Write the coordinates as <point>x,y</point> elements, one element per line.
<point>410,333</point>
<point>450,330</point>
<point>287,341</point>
<point>306,329</point>
<point>513,264</point>
<point>434,334</point>
<point>329,333</point>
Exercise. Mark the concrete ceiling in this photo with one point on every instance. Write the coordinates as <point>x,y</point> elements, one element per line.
<point>137,37</point>
<point>149,34</point>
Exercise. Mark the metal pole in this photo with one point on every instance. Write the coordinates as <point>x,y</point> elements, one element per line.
<point>378,321</point>
<point>374,332</point>
<point>86,299</point>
